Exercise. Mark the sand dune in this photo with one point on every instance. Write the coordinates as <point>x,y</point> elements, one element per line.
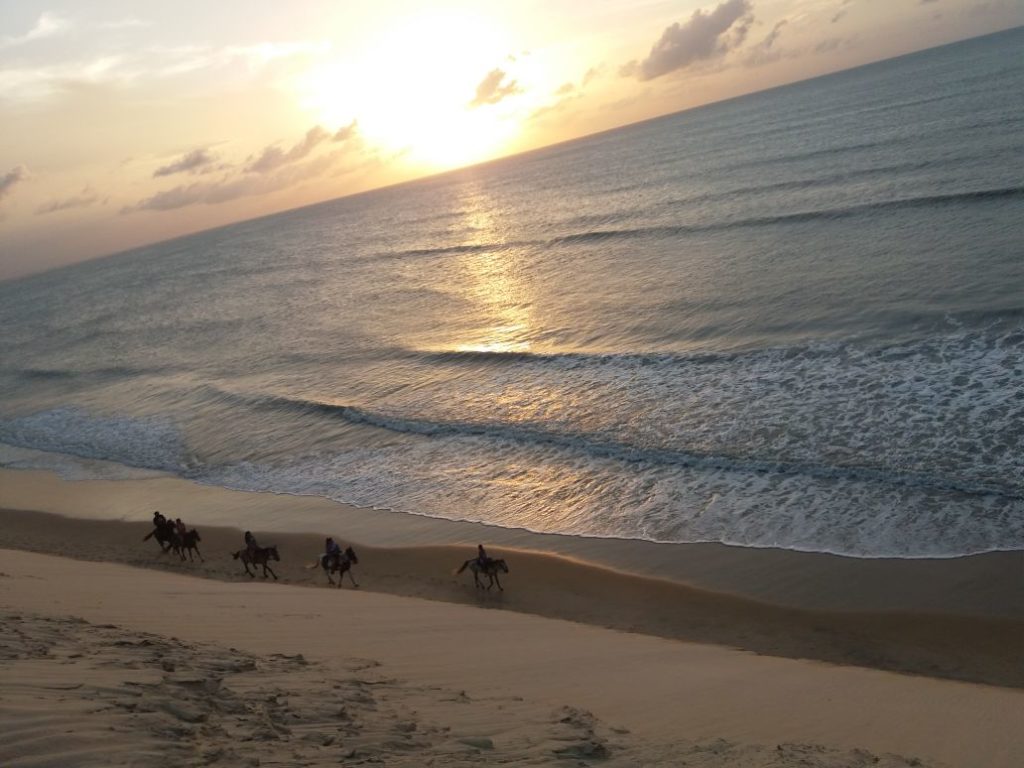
<point>108,665</point>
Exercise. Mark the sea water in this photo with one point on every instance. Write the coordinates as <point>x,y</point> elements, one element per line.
<point>793,319</point>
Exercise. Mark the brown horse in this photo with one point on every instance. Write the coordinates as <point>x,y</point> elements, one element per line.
<point>343,563</point>
<point>260,556</point>
<point>490,569</point>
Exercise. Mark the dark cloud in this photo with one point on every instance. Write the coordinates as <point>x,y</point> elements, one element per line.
<point>273,157</point>
<point>703,36</point>
<point>11,179</point>
<point>197,161</point>
<point>84,199</point>
<point>493,89</point>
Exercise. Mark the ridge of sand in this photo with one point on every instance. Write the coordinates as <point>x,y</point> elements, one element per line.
<point>108,665</point>
<point>971,648</point>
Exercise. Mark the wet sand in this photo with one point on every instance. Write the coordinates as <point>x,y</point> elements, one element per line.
<point>982,649</point>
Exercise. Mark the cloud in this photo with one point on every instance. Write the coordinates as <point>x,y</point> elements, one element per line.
<point>764,52</point>
<point>842,10</point>
<point>703,37</point>
<point>493,89</point>
<point>197,161</point>
<point>11,179</point>
<point>35,83</point>
<point>127,23</point>
<point>270,170</point>
<point>590,74</point>
<point>345,132</point>
<point>84,199</point>
<point>273,157</point>
<point>831,44</point>
<point>565,88</point>
<point>48,25</point>
<point>232,187</point>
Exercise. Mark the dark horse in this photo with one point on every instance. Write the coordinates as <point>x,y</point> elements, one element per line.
<point>167,538</point>
<point>189,542</point>
<point>490,569</point>
<point>260,556</point>
<point>343,563</point>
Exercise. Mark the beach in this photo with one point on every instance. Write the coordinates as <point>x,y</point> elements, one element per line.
<point>109,665</point>
<point>732,394</point>
<point>576,660</point>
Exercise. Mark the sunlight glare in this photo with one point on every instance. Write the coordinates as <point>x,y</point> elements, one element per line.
<point>410,91</point>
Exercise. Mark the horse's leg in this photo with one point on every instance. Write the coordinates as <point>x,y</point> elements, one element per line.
<point>268,568</point>
<point>498,582</point>
<point>476,579</point>
<point>246,564</point>
<point>201,560</point>
<point>353,578</point>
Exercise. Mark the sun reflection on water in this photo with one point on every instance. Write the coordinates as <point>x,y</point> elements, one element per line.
<point>492,279</point>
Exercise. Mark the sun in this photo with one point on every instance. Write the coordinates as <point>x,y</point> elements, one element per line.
<point>410,91</point>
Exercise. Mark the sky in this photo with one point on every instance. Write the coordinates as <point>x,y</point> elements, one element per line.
<point>125,122</point>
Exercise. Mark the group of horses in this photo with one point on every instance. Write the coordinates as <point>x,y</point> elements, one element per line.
<point>169,539</point>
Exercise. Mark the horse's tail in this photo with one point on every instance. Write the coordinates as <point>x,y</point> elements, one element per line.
<point>236,554</point>
<point>149,535</point>
<point>463,566</point>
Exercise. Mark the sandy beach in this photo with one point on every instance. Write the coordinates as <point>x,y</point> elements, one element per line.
<point>109,665</point>
<point>122,655</point>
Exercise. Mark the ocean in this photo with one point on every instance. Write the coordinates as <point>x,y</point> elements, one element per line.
<point>794,319</point>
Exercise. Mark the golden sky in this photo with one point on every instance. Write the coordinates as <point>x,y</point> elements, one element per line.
<point>124,123</point>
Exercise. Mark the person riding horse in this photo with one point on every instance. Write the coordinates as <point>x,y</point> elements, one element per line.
<point>332,550</point>
<point>481,556</point>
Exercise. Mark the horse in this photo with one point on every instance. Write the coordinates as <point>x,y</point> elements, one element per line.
<point>260,556</point>
<point>341,562</point>
<point>490,569</point>
<point>188,543</point>
<point>167,537</point>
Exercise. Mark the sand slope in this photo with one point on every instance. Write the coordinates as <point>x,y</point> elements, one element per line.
<point>92,676</point>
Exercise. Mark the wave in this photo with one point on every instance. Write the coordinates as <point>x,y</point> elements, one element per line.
<point>799,217</point>
<point>145,443</point>
<point>106,373</point>
<point>600,446</point>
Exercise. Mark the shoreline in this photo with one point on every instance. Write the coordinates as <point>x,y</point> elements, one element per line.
<point>983,585</point>
<point>978,649</point>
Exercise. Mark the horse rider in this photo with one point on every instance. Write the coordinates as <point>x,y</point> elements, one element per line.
<point>180,527</point>
<point>481,556</point>
<point>250,543</point>
<point>332,550</point>
<point>159,521</point>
